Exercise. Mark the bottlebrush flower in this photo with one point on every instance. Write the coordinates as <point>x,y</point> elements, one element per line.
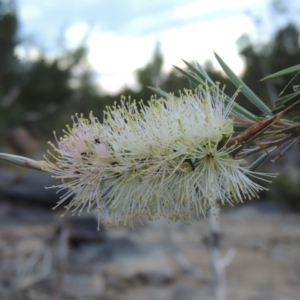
<point>160,159</point>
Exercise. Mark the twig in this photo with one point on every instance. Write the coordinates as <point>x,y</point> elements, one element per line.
<point>188,267</point>
<point>36,268</point>
<point>63,255</point>
<point>227,258</point>
<point>219,285</point>
<point>182,260</point>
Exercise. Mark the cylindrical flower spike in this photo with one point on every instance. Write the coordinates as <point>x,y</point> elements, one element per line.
<point>160,159</point>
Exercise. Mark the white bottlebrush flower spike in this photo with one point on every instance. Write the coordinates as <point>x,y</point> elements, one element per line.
<point>163,159</point>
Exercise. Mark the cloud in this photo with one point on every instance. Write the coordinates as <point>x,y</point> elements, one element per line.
<point>122,34</point>
<point>120,17</point>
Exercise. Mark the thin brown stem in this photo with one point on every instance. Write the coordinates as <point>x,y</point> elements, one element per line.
<point>260,126</point>
<point>269,145</point>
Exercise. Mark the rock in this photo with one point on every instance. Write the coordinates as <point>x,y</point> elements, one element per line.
<point>191,293</point>
<point>154,293</point>
<point>30,189</point>
<point>178,293</point>
<point>255,243</point>
<point>109,250</point>
<point>6,178</point>
<point>124,264</point>
<point>270,297</point>
<point>153,270</point>
<point>83,229</point>
<point>21,216</point>
<point>280,252</point>
<point>83,286</point>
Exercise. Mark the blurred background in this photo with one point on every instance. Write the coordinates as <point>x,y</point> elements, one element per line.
<point>58,58</point>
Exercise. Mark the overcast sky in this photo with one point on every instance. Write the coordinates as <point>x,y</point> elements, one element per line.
<point>123,34</point>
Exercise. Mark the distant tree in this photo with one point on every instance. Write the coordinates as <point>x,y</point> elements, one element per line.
<point>9,64</point>
<point>32,92</point>
<point>174,82</point>
<point>281,52</point>
<point>150,75</point>
<point>48,84</point>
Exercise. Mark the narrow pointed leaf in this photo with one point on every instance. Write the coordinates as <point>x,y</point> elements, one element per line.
<point>296,119</point>
<point>283,72</point>
<point>158,91</point>
<point>244,88</point>
<point>284,100</point>
<point>290,83</point>
<point>195,80</point>
<point>289,130</point>
<point>278,109</point>
<point>285,150</point>
<point>258,162</point>
<point>242,112</point>
<point>237,109</point>
<point>199,71</point>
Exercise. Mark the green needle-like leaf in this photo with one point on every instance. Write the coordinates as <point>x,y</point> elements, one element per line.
<point>289,130</point>
<point>158,91</point>
<point>199,71</point>
<point>237,109</point>
<point>258,162</point>
<point>244,88</point>
<point>196,80</point>
<point>283,72</point>
<point>290,83</point>
<point>285,150</point>
<point>286,101</point>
